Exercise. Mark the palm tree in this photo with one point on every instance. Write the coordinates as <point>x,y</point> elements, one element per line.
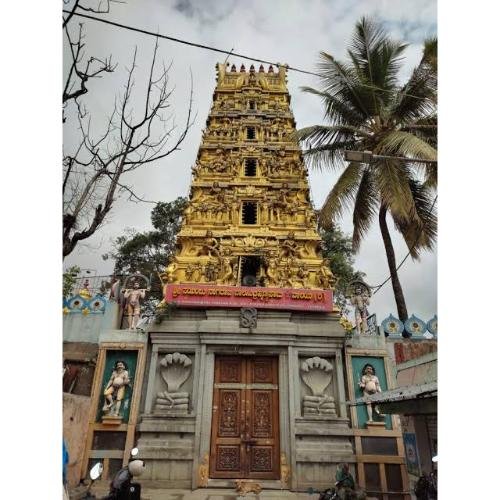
<point>367,109</point>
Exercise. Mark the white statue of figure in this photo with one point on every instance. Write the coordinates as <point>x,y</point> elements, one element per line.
<point>360,300</point>
<point>114,392</point>
<point>370,385</point>
<point>133,302</point>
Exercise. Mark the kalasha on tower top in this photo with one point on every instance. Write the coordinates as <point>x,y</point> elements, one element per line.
<point>249,221</point>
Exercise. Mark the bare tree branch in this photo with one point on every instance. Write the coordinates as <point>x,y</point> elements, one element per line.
<point>128,143</point>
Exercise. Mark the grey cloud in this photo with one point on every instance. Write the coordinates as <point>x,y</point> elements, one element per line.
<point>284,31</point>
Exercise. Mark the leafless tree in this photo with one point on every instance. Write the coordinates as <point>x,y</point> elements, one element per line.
<point>83,68</point>
<point>95,174</point>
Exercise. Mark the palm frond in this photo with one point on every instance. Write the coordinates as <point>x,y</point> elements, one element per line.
<point>337,111</point>
<point>341,196</point>
<point>377,61</point>
<point>421,232</point>
<point>330,156</point>
<point>392,179</point>
<point>365,207</point>
<point>400,143</point>
<point>418,97</point>
<point>430,55</point>
<point>342,82</point>
<point>327,134</point>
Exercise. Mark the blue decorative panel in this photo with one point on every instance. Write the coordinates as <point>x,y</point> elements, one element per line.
<point>415,326</point>
<point>392,325</point>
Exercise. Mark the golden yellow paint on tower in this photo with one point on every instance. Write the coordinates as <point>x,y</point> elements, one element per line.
<point>249,220</point>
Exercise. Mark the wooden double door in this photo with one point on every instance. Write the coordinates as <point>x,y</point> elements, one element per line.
<point>245,418</point>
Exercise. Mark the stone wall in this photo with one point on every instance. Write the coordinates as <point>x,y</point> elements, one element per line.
<point>173,438</point>
<point>75,423</point>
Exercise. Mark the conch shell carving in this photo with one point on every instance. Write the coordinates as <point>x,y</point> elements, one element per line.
<point>176,370</point>
<point>316,374</point>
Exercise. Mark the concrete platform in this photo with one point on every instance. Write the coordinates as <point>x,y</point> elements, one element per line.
<point>100,490</point>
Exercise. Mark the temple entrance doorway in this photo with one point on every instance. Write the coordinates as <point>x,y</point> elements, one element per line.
<point>245,420</point>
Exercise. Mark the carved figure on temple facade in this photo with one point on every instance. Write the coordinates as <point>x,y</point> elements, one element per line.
<point>370,385</point>
<point>316,373</point>
<point>264,212</point>
<point>203,472</point>
<point>197,272</point>
<point>133,298</point>
<point>272,271</point>
<point>284,471</point>
<point>114,392</point>
<point>188,273</point>
<point>227,276</point>
<point>289,247</point>
<point>188,213</point>
<point>360,300</point>
<point>175,369</point>
<point>310,217</point>
<point>326,279</point>
<point>210,272</point>
<point>219,162</point>
<point>210,246</point>
<point>171,272</point>
<point>84,291</point>
<point>287,274</point>
<point>303,275</point>
<point>235,209</point>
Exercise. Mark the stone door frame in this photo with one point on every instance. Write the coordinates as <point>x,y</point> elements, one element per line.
<point>205,401</point>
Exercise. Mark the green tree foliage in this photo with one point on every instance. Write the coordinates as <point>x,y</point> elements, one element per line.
<point>367,109</point>
<point>70,277</point>
<point>149,252</point>
<point>337,247</point>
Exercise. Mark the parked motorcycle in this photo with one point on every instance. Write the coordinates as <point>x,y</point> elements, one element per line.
<point>95,473</point>
<point>122,487</point>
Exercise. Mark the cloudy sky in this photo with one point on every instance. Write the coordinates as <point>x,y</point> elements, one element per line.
<point>287,31</point>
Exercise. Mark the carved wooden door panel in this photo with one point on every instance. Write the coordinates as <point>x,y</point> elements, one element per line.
<point>245,420</point>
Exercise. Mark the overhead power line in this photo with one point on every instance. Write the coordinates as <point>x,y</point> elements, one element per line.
<point>214,49</point>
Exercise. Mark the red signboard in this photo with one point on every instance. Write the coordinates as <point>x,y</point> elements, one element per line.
<point>293,299</point>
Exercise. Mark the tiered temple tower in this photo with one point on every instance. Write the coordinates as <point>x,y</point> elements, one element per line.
<point>249,376</point>
<point>249,220</point>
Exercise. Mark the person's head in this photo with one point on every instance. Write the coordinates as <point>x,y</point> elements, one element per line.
<point>121,365</point>
<point>345,467</point>
<point>136,285</point>
<point>368,370</point>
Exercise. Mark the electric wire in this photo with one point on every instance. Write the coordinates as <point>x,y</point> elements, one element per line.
<point>215,49</point>
<point>378,287</point>
<point>242,56</point>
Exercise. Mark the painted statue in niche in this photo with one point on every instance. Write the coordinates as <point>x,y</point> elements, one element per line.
<point>175,370</point>
<point>316,374</point>
<point>114,392</point>
<point>370,385</point>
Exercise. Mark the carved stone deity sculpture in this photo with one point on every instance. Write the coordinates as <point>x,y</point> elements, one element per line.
<point>326,279</point>
<point>133,304</point>
<point>203,472</point>
<point>114,392</point>
<point>316,373</point>
<point>284,471</point>
<point>370,385</point>
<point>360,300</point>
<point>175,370</point>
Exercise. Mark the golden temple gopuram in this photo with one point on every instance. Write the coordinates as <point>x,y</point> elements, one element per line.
<point>248,378</point>
<point>250,220</point>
